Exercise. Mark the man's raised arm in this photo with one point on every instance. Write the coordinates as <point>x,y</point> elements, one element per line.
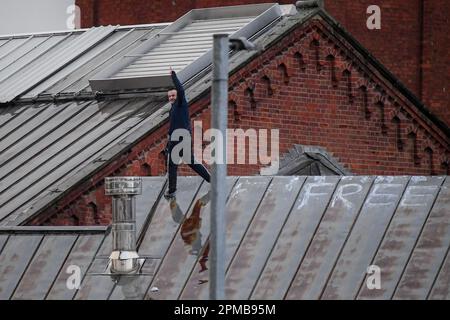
<point>178,87</point>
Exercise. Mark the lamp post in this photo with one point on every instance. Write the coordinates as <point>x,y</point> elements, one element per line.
<point>219,98</point>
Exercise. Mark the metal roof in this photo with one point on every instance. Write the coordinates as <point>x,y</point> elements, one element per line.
<point>287,238</point>
<point>50,64</point>
<point>43,145</point>
<point>21,80</point>
<point>185,45</point>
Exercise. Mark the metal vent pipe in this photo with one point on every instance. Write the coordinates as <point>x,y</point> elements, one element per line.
<point>124,258</point>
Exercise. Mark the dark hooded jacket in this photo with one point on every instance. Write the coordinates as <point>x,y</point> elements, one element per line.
<point>179,113</point>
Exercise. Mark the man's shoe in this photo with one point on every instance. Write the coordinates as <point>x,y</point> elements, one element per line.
<point>169,195</point>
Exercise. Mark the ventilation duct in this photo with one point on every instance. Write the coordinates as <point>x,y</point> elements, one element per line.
<point>124,258</point>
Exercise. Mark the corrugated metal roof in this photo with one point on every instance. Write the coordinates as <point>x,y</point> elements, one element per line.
<point>43,145</point>
<point>44,65</point>
<point>37,70</point>
<point>287,238</point>
<point>74,78</point>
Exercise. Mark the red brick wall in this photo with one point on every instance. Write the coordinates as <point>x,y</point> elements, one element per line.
<point>436,57</point>
<point>413,42</point>
<point>308,105</point>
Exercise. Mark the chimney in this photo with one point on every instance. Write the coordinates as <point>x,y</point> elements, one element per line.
<point>124,258</point>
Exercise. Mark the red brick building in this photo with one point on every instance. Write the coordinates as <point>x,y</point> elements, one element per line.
<point>313,81</point>
<point>413,42</point>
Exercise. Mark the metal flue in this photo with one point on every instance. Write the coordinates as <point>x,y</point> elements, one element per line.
<point>124,258</point>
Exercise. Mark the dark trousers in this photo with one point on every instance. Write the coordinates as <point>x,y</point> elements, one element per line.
<point>197,167</point>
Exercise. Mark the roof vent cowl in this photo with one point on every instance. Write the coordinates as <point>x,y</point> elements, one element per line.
<point>124,258</point>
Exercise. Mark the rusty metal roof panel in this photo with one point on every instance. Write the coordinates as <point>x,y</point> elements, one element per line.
<point>280,230</point>
<point>361,245</point>
<point>402,234</point>
<point>182,254</point>
<point>429,251</point>
<point>241,207</point>
<point>186,247</point>
<point>295,237</point>
<point>261,235</point>
<point>329,238</point>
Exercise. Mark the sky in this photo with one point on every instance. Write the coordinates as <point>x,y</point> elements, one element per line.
<point>29,16</point>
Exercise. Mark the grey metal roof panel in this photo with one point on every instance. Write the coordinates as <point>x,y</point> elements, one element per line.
<point>9,46</point>
<point>362,244</point>
<point>330,237</point>
<point>402,234</point>
<point>429,251</point>
<point>441,286</point>
<point>295,237</point>
<point>274,227</point>
<point>80,256</point>
<point>62,74</point>
<point>10,57</point>
<point>241,207</point>
<point>7,70</point>
<point>151,120</point>
<point>44,144</point>
<point>14,260</point>
<point>74,77</point>
<point>47,64</point>
<point>247,264</point>
<point>186,246</point>
<point>44,267</point>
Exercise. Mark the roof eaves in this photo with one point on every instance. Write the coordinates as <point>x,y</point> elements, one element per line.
<point>54,230</point>
<point>81,30</point>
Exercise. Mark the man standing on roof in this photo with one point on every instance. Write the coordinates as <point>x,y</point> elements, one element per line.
<point>179,119</point>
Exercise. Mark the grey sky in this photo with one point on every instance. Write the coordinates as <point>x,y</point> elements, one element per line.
<point>27,16</point>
